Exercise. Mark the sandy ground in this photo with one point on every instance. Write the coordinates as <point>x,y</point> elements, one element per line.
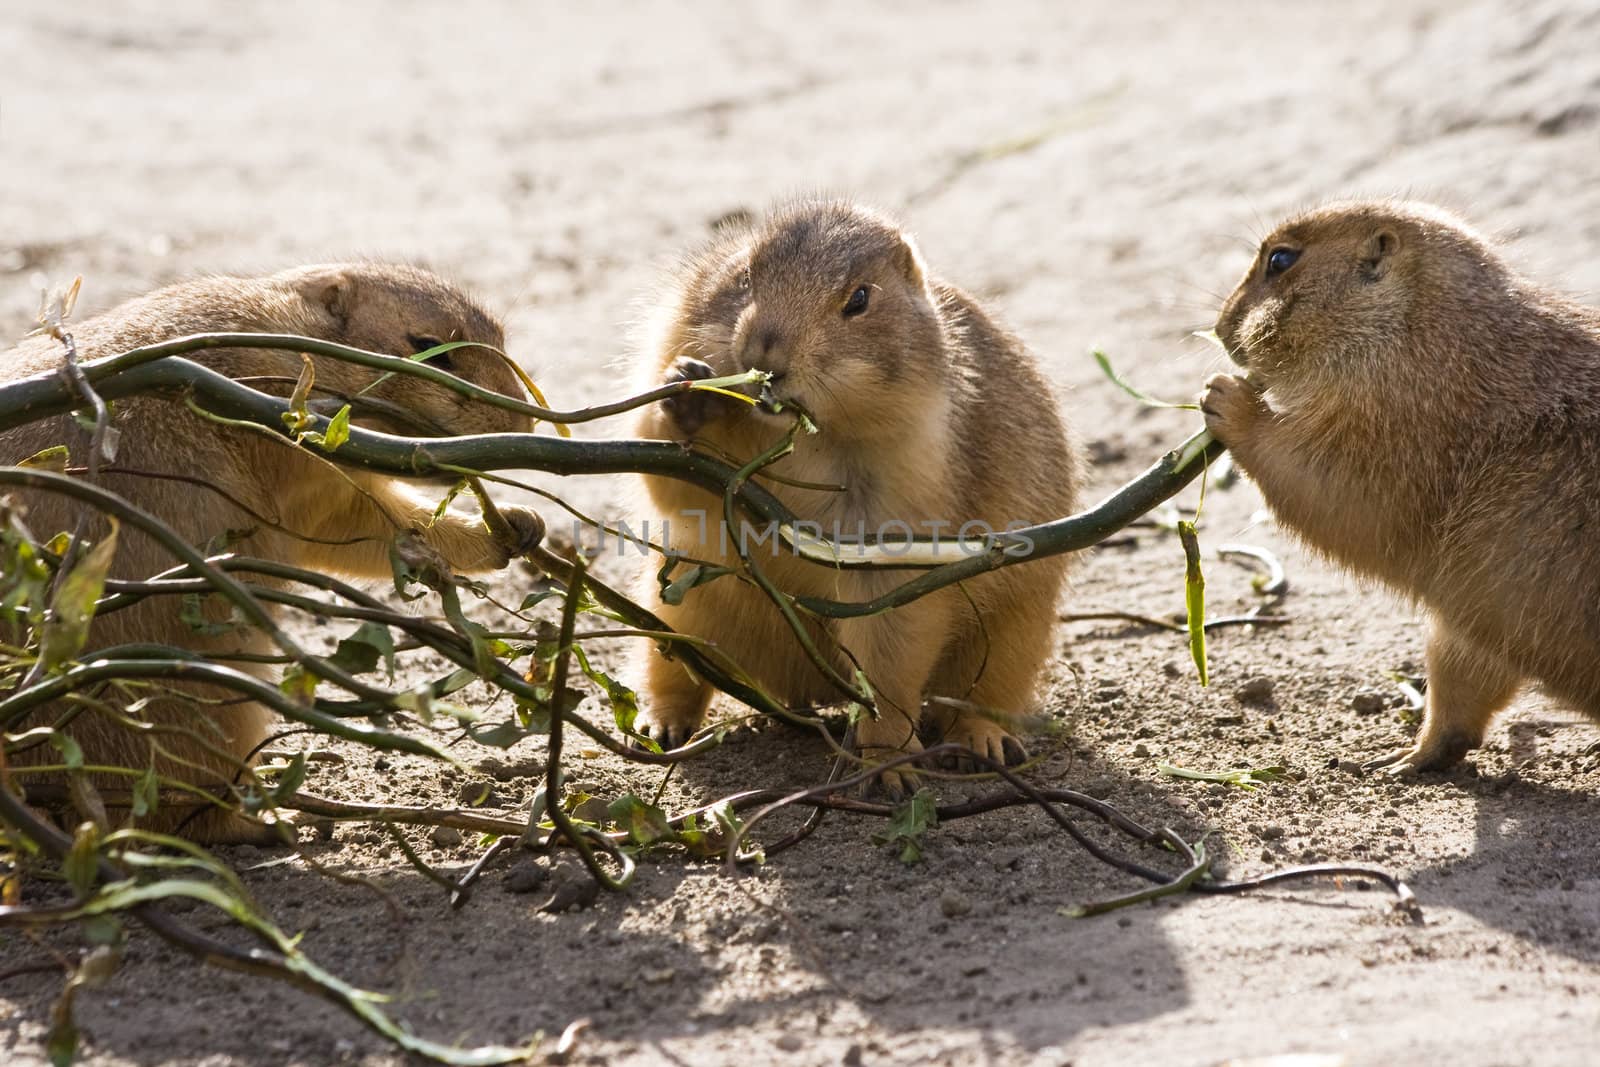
<point>1100,176</point>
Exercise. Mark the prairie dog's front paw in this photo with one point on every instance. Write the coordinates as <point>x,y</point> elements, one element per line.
<point>880,739</point>
<point>1232,407</point>
<point>668,731</point>
<point>693,408</point>
<point>520,533</point>
<point>527,530</point>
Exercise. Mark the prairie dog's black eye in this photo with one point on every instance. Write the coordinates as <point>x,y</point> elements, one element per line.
<point>1280,260</point>
<point>857,302</point>
<point>420,343</point>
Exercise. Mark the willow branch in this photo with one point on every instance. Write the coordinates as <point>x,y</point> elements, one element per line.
<point>44,394</point>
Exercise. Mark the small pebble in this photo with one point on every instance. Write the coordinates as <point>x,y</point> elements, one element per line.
<point>1255,690</point>
<point>1008,859</point>
<point>593,810</point>
<point>446,836</point>
<point>321,828</point>
<point>789,1042</point>
<point>1368,702</point>
<point>526,878</point>
<point>572,888</point>
<point>475,794</point>
<point>953,905</point>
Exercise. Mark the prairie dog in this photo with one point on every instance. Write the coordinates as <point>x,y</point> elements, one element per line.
<point>1427,417</point>
<point>930,414</point>
<point>335,519</point>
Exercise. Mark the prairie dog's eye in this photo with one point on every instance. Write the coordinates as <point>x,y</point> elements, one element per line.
<point>420,343</point>
<point>857,302</point>
<point>1280,260</point>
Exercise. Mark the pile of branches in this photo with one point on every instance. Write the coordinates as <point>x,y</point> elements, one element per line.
<point>51,588</point>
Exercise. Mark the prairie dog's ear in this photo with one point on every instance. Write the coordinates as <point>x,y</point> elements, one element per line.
<point>1377,254</point>
<point>909,259</point>
<point>331,289</point>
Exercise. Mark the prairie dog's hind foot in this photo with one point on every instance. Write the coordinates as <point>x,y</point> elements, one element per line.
<point>1431,757</point>
<point>987,739</point>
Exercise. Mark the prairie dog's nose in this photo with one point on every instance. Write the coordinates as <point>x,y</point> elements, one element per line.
<point>765,349</point>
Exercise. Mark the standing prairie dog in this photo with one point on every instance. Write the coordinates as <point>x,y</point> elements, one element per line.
<point>332,519</point>
<point>1426,417</point>
<point>930,415</point>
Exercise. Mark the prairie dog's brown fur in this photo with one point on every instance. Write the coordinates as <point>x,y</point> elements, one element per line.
<point>929,413</point>
<point>345,519</point>
<point>1427,417</point>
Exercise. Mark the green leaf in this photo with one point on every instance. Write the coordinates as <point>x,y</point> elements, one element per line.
<point>456,681</point>
<point>449,498</point>
<point>916,816</point>
<point>102,930</point>
<point>533,600</point>
<point>72,610</point>
<point>730,826</point>
<point>80,868</point>
<point>535,715</point>
<point>1138,394</point>
<point>624,701</point>
<point>61,1043</point>
<point>71,751</point>
<point>483,657</point>
<point>673,592</point>
<point>146,792</point>
<point>290,780</point>
<point>299,684</point>
<point>337,433</point>
<point>24,575</point>
<point>362,650</point>
<point>1194,596</point>
<point>645,823</point>
<point>501,735</point>
<point>192,614</point>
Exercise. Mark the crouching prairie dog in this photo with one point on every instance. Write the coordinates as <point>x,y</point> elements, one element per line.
<point>269,499</point>
<point>930,416</point>
<point>1428,418</point>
